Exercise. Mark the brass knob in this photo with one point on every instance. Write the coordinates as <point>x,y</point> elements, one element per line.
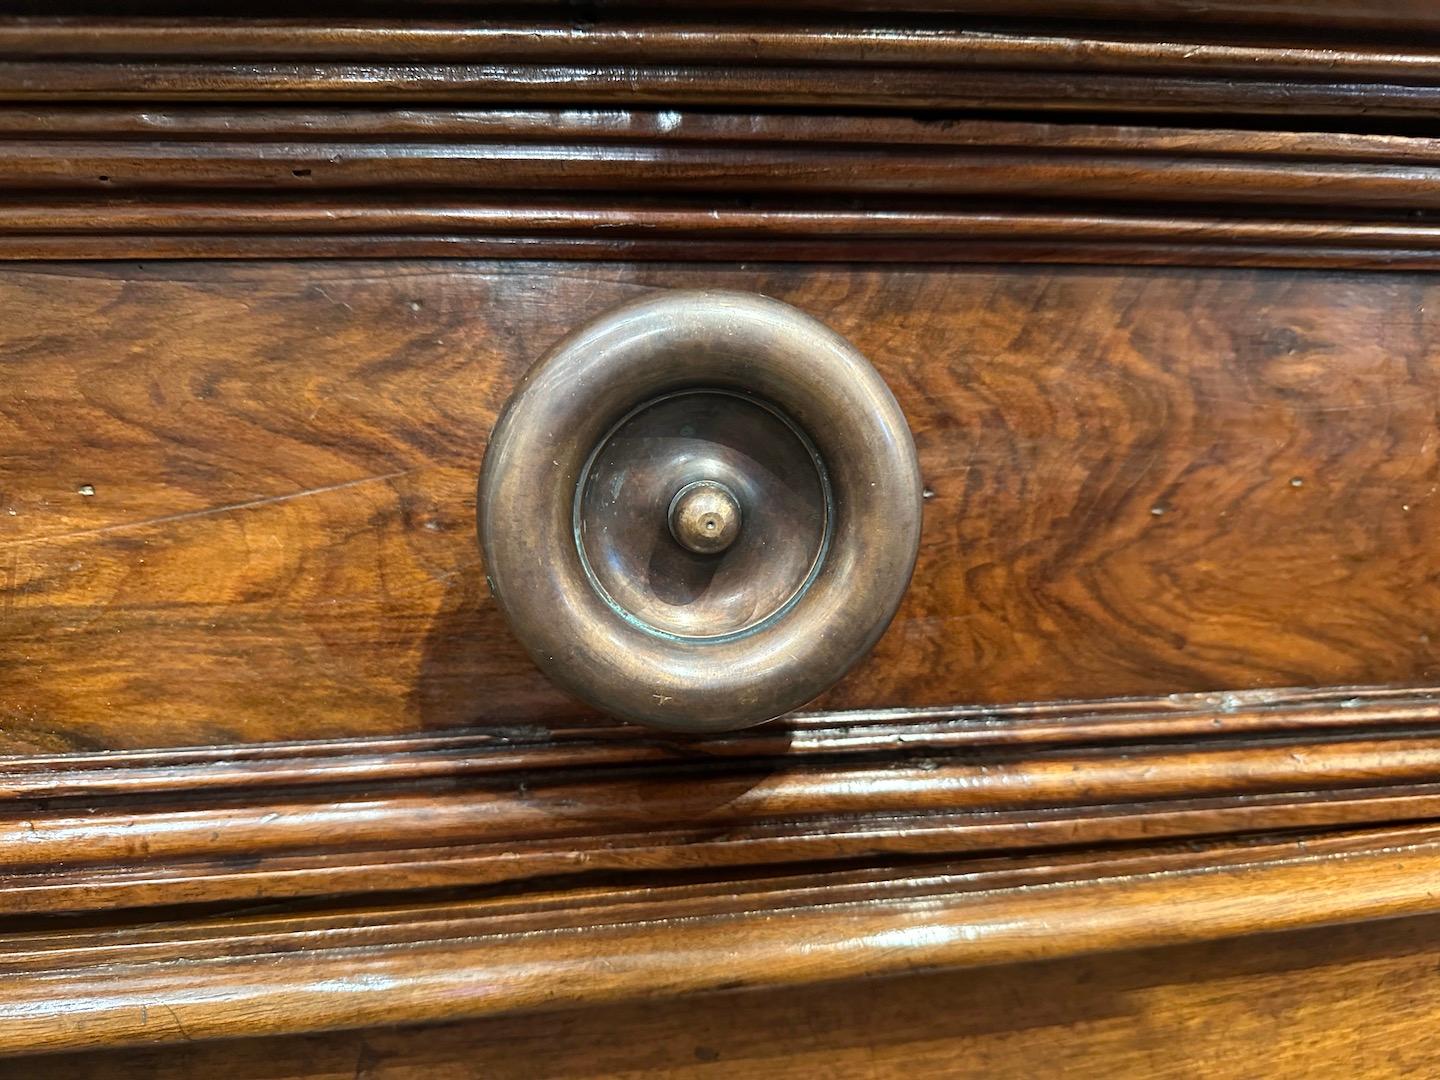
<point>700,510</point>
<point>704,517</point>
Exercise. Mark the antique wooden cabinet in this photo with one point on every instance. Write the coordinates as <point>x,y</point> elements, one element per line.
<point>1115,317</point>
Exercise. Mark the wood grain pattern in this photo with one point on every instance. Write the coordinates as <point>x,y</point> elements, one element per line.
<point>408,126</point>
<point>497,168</point>
<point>231,227</point>
<point>597,247</point>
<point>1358,999</point>
<point>1144,482</point>
<point>703,86</point>
<point>271,765</point>
<point>523,804</point>
<point>276,975</point>
<point>717,61</point>
<point>305,181</point>
<point>449,220</point>
<point>682,38</point>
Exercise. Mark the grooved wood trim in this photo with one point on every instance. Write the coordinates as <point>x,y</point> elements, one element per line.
<point>29,248</point>
<point>1287,1004</point>
<point>763,61</point>
<point>690,85</point>
<point>544,137</point>
<point>286,975</point>
<point>666,127</point>
<point>229,228</point>
<point>93,831</point>
<point>315,219</point>
<point>1340,712</point>
<point>497,167</point>
<point>670,150</point>
<point>115,182</point>
<point>884,41</point>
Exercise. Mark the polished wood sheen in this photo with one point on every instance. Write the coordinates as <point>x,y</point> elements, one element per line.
<point>640,182</point>
<point>516,806</point>
<point>1355,1001</point>
<point>1142,780</point>
<point>811,62</point>
<point>1139,482</point>
<point>277,972</point>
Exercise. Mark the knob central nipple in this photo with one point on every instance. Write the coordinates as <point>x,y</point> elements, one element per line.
<point>704,517</point>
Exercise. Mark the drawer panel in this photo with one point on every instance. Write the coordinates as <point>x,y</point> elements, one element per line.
<point>238,499</point>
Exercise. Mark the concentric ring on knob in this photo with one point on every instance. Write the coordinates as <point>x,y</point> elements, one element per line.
<point>706,448</point>
<point>776,433</point>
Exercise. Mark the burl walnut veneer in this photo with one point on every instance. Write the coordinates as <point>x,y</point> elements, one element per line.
<point>1121,309</point>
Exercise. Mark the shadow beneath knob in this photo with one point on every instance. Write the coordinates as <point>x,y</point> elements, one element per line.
<point>474,675</point>
<point>677,576</point>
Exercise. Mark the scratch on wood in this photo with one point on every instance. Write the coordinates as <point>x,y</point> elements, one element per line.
<point>178,1024</point>
<point>208,512</point>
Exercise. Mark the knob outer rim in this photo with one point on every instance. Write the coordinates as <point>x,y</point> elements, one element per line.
<point>692,340</point>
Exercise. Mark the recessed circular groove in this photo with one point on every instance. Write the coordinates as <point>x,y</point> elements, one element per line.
<point>677,444</point>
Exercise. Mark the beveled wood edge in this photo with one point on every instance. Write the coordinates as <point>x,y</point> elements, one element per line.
<point>307,181</point>
<point>461,125</point>
<point>708,37</point>
<point>324,222</point>
<point>295,975</point>
<point>28,249</point>
<point>476,808</point>
<point>767,59</point>
<point>763,60</point>
<point>709,87</point>
<point>1216,715</point>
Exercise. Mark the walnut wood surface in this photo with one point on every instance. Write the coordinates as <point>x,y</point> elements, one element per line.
<point>521,805</point>
<point>407,126</point>
<point>260,180</point>
<point>500,168</point>
<point>522,167</point>
<point>598,247</point>
<point>1143,482</point>
<point>627,38</point>
<point>236,506</point>
<point>258,974</point>
<point>161,80</point>
<point>1355,1001</point>
<point>733,54</point>
<point>584,867</point>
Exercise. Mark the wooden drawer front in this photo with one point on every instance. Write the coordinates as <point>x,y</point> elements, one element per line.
<point>1150,287</point>
<point>1141,481</point>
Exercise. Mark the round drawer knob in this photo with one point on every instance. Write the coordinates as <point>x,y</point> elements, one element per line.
<point>699,510</point>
